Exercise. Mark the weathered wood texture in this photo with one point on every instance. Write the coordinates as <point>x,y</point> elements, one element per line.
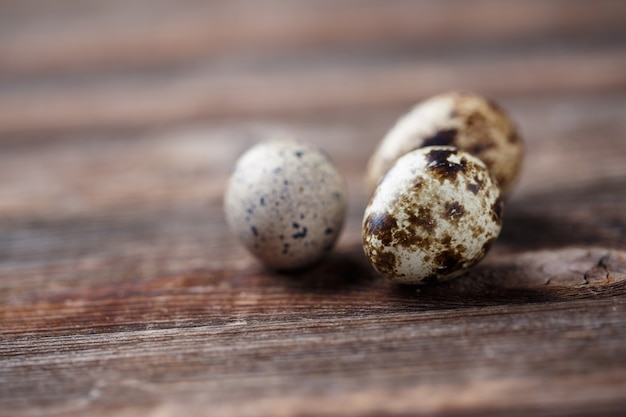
<point>123,293</point>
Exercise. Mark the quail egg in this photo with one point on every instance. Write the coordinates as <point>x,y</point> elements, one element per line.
<point>286,202</point>
<point>464,120</point>
<point>434,214</point>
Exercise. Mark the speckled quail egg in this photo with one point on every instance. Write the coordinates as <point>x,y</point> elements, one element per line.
<point>286,202</point>
<point>464,120</point>
<point>434,215</point>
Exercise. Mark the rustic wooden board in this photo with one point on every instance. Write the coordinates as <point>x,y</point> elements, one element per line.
<point>122,291</point>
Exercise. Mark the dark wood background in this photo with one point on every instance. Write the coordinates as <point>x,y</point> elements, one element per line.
<point>123,293</point>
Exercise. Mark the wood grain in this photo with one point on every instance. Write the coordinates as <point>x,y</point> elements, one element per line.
<point>191,97</point>
<point>107,34</point>
<point>123,292</point>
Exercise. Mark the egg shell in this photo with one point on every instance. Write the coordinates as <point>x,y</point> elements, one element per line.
<point>467,121</point>
<point>434,215</point>
<point>286,202</point>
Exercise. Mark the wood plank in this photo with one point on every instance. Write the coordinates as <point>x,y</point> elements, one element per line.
<point>173,167</point>
<point>235,359</point>
<point>183,97</point>
<point>100,35</point>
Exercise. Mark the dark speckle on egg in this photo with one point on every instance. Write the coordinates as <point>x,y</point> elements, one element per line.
<point>301,234</point>
<point>453,210</point>
<point>380,225</point>
<point>472,187</point>
<point>384,262</point>
<point>444,137</point>
<point>497,208</point>
<point>448,261</point>
<point>442,167</point>
<point>424,218</point>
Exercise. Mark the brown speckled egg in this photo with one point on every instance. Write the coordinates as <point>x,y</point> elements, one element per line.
<point>433,215</point>
<point>286,203</point>
<point>463,120</point>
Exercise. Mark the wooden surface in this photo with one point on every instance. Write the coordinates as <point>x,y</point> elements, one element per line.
<point>123,293</point>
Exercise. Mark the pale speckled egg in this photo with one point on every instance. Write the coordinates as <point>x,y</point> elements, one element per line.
<point>467,121</point>
<point>434,215</point>
<point>286,202</point>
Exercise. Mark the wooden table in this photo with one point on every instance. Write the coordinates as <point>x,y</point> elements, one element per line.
<point>123,293</point>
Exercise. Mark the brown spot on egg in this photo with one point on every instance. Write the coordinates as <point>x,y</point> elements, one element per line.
<point>440,138</point>
<point>513,136</point>
<point>449,261</point>
<point>384,262</point>
<point>472,187</point>
<point>440,165</point>
<point>476,120</point>
<point>477,231</point>
<point>410,214</point>
<point>497,209</point>
<point>425,219</point>
<point>387,230</point>
<point>479,147</point>
<point>479,182</point>
<point>406,238</point>
<point>381,225</point>
<point>439,155</point>
<point>494,106</point>
<point>479,129</point>
<point>453,210</point>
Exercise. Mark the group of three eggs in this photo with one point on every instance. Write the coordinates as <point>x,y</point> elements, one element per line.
<point>437,180</point>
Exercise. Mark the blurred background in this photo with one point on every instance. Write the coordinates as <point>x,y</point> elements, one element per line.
<point>165,89</point>
<point>70,64</point>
